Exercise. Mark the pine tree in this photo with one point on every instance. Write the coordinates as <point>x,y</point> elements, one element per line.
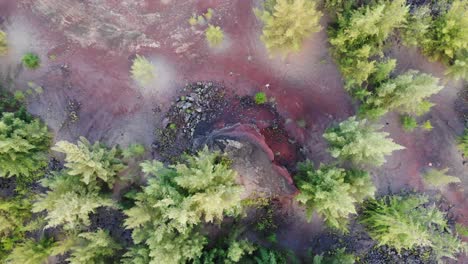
<point>23,146</point>
<point>177,200</point>
<point>69,202</point>
<point>439,178</point>
<point>406,93</point>
<point>31,252</point>
<point>288,24</point>
<point>93,247</point>
<point>360,142</point>
<point>332,192</point>
<point>91,162</point>
<point>409,222</point>
<point>360,35</point>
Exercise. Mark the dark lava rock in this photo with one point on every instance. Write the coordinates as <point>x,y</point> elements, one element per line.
<point>111,220</point>
<point>7,187</point>
<point>192,114</point>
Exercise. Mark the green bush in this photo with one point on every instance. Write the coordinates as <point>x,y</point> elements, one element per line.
<point>408,122</point>
<point>287,23</point>
<point>143,71</point>
<point>332,192</point>
<point>260,98</point>
<point>360,142</point>
<point>3,43</point>
<point>409,222</point>
<point>214,35</point>
<point>177,200</point>
<point>24,146</point>
<point>31,61</point>
<point>91,162</point>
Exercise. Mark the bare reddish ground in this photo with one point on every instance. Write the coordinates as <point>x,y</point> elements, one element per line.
<point>98,39</point>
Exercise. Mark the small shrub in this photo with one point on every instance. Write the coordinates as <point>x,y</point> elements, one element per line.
<point>408,122</point>
<point>439,178</point>
<point>261,98</point>
<point>332,192</point>
<point>31,61</point>
<point>427,126</point>
<point>287,24</point>
<point>214,35</point>
<point>3,43</point>
<point>143,71</point>
<point>360,142</point>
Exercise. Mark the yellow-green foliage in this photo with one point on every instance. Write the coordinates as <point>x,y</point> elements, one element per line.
<point>360,142</point>
<point>406,94</point>
<point>443,38</point>
<point>214,35</point>
<point>177,200</point>
<point>359,38</point>
<point>463,143</point>
<point>14,214</point>
<point>228,249</point>
<point>449,33</point>
<point>143,71</point>
<point>332,192</point>
<point>3,43</point>
<point>69,201</point>
<point>93,247</point>
<point>288,24</point>
<point>91,162</point>
<point>409,222</point>
<point>23,146</point>
<point>31,252</point>
<point>439,178</point>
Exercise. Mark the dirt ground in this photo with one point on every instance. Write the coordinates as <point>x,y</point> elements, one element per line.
<point>87,49</point>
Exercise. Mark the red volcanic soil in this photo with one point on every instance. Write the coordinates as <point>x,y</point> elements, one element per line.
<point>93,44</point>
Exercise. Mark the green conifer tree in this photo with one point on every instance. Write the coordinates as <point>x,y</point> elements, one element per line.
<point>288,24</point>
<point>360,142</point>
